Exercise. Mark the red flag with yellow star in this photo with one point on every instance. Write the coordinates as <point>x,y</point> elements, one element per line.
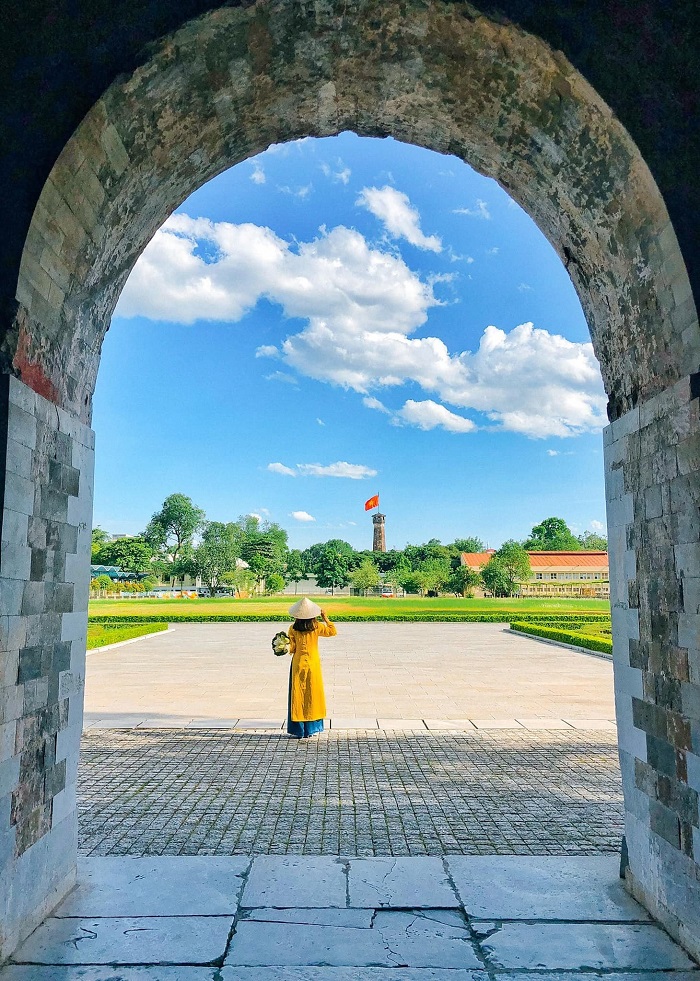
<point>372,503</point>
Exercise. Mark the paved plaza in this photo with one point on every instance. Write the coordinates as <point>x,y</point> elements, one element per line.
<point>393,672</point>
<point>284,918</point>
<point>442,739</point>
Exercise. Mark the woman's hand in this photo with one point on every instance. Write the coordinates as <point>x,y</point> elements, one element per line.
<point>324,616</point>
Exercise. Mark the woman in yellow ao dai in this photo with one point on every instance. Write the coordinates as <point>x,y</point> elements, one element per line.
<point>306,707</point>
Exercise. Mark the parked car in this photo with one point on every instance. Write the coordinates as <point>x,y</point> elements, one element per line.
<point>387,592</point>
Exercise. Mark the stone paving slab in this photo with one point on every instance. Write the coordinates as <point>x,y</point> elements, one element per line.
<point>400,724</point>
<point>400,882</point>
<point>77,972</point>
<point>573,946</point>
<point>182,886</point>
<point>295,881</point>
<point>417,938</point>
<point>353,723</point>
<point>127,940</point>
<point>358,974</point>
<point>346,943</point>
<point>405,725</point>
<point>214,792</point>
<point>543,723</point>
<point>521,887</point>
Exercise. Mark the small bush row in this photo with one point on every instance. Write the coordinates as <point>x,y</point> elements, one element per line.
<point>504,617</point>
<point>102,634</point>
<point>565,636</point>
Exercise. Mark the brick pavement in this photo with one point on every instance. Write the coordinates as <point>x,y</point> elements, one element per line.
<point>219,792</point>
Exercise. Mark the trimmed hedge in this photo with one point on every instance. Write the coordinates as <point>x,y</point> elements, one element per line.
<point>599,644</point>
<point>103,634</point>
<point>566,619</point>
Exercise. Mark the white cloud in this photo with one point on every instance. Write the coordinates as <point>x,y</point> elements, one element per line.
<point>302,516</point>
<point>282,376</point>
<point>553,453</point>
<point>361,306</point>
<point>398,215</point>
<point>320,422</point>
<point>598,526</point>
<point>280,468</point>
<point>430,415</point>
<point>372,403</point>
<point>480,210</point>
<point>493,251</point>
<point>342,174</point>
<point>525,288</point>
<point>258,174</point>
<point>336,282</point>
<point>351,471</point>
<point>296,192</point>
<point>267,351</point>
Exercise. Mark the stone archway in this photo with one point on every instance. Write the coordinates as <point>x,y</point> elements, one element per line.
<point>447,78</point>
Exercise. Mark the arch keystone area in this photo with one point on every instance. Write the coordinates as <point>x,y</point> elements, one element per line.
<point>216,91</point>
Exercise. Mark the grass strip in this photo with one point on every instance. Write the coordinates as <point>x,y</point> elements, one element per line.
<point>504,616</point>
<point>102,634</point>
<point>591,642</point>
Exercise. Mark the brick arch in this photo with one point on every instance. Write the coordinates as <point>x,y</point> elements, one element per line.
<point>444,77</point>
<point>226,86</point>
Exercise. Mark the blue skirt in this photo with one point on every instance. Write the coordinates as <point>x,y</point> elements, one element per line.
<point>300,729</point>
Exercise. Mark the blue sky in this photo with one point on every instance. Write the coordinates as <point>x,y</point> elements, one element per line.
<point>342,317</point>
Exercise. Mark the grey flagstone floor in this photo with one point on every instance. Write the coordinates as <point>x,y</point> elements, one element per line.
<point>323,918</point>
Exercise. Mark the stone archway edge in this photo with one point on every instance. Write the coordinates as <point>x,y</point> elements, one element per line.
<point>442,76</point>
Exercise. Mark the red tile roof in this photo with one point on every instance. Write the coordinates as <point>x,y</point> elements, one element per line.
<point>580,560</point>
<point>546,560</point>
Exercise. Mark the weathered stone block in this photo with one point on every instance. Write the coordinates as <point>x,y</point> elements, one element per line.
<point>665,823</point>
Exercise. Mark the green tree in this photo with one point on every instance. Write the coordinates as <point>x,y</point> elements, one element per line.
<point>506,569</point>
<point>593,542</point>
<point>173,528</point>
<point>436,574</point>
<point>365,576</point>
<point>496,579</point>
<point>295,569</point>
<point>130,554</point>
<point>333,563</point>
<point>263,545</point>
<point>463,580</point>
<point>274,584</point>
<point>552,535</point>
<point>99,539</point>
<point>215,554</point>
<point>410,580</point>
<point>471,544</point>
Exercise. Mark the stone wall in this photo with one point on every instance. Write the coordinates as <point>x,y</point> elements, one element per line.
<point>652,460</point>
<point>47,464</point>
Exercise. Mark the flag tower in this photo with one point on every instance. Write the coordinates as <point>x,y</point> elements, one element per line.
<point>379,540</point>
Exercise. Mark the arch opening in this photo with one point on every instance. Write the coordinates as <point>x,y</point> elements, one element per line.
<point>220,90</point>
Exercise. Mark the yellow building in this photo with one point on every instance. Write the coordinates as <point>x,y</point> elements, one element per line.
<point>558,573</point>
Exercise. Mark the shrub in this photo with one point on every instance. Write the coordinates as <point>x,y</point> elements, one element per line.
<point>592,643</point>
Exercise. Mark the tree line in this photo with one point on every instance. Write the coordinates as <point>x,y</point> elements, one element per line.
<point>253,555</point>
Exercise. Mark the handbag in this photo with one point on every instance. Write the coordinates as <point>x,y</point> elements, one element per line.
<point>280,644</point>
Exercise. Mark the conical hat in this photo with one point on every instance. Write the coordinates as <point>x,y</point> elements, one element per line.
<point>304,609</point>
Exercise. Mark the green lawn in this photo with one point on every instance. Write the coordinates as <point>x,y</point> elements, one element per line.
<point>344,607</point>
<point>102,634</point>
